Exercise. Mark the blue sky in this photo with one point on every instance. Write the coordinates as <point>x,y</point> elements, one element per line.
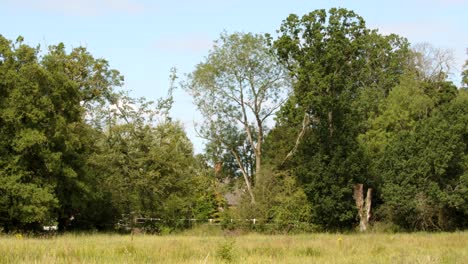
<point>143,39</point>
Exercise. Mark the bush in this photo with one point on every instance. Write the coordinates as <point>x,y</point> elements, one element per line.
<point>384,227</point>
<point>226,251</point>
<point>281,206</point>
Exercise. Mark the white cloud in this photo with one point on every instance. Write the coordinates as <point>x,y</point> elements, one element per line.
<point>82,7</point>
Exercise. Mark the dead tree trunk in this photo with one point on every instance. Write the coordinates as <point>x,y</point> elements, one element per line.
<point>363,205</point>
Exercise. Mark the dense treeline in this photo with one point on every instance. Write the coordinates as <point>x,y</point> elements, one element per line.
<point>372,111</point>
<point>352,106</point>
<point>77,153</point>
<point>357,107</point>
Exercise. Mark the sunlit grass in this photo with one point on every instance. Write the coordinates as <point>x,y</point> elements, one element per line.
<point>249,248</point>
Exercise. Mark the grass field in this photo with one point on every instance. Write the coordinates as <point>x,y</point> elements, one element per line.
<point>249,248</point>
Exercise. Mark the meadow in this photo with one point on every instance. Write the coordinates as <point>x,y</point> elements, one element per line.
<point>200,247</point>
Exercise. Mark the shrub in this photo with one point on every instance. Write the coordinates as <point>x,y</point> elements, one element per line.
<point>226,250</point>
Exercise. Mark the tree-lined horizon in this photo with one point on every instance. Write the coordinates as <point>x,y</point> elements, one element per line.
<point>353,109</point>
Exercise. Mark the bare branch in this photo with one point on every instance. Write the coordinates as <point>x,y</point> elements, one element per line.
<point>244,173</point>
<point>305,124</point>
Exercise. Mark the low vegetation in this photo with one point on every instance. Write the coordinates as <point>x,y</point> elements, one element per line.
<point>247,248</point>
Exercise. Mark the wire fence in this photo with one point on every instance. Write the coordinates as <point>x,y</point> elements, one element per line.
<point>218,221</point>
<point>211,221</point>
<point>128,223</point>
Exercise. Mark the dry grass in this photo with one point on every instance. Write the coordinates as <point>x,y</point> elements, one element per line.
<point>250,248</point>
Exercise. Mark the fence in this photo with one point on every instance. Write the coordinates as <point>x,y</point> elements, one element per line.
<point>142,220</point>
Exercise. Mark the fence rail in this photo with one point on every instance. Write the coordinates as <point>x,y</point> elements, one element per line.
<point>142,220</point>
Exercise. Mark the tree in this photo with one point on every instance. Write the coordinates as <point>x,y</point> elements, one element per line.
<point>237,88</point>
<point>406,104</point>
<point>464,74</point>
<point>340,70</point>
<point>431,63</point>
<point>147,165</point>
<point>77,153</point>
<point>44,139</point>
<point>424,171</point>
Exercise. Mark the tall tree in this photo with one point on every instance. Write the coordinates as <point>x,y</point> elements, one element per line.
<point>341,70</point>
<point>44,137</point>
<point>464,74</point>
<point>237,88</point>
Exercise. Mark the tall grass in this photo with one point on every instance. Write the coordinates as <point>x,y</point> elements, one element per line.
<point>249,248</point>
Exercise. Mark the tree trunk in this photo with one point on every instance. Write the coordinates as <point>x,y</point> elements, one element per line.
<point>363,205</point>
<point>258,164</point>
<point>246,177</point>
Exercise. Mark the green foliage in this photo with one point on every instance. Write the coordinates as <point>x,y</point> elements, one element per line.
<point>364,109</point>
<point>226,250</point>
<point>151,171</point>
<point>424,171</point>
<point>74,151</point>
<point>464,74</point>
<point>237,88</point>
<point>281,205</point>
<point>44,139</point>
<point>417,146</point>
<point>341,72</point>
<point>290,203</point>
<point>406,104</point>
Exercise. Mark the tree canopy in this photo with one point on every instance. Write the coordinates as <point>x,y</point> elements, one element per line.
<point>297,126</point>
<point>237,88</point>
